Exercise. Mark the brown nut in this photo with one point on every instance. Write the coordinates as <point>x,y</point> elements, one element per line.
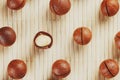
<point>109,7</point>
<point>17,69</point>
<point>43,40</point>
<point>82,35</point>
<point>15,4</point>
<point>60,69</point>
<point>7,36</point>
<point>60,7</point>
<point>109,68</point>
<point>117,40</point>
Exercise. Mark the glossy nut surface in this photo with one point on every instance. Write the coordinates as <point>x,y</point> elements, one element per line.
<point>7,36</point>
<point>109,7</point>
<point>82,35</point>
<point>17,69</point>
<point>16,4</point>
<point>60,7</point>
<point>43,40</point>
<point>109,68</point>
<point>61,69</point>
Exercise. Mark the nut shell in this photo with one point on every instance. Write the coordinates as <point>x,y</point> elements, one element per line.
<point>109,7</point>
<point>46,34</point>
<point>60,7</point>
<point>17,69</point>
<point>16,4</point>
<point>82,35</point>
<point>61,69</point>
<point>7,36</point>
<point>109,68</point>
<point>117,40</point>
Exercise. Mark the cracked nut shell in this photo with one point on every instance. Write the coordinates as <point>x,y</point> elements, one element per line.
<point>43,40</point>
<point>60,7</point>
<point>82,35</point>
<point>109,68</point>
<point>15,4</point>
<point>109,7</point>
<point>117,40</point>
<point>17,69</point>
<point>7,36</point>
<point>60,69</point>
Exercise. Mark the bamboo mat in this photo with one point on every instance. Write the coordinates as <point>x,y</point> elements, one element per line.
<point>84,60</point>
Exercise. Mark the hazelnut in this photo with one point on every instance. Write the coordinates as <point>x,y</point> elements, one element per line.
<point>43,40</point>
<point>7,36</point>
<point>109,7</point>
<point>60,7</point>
<point>16,4</point>
<point>82,35</point>
<point>117,40</point>
<point>17,69</point>
<point>109,68</point>
<point>60,69</point>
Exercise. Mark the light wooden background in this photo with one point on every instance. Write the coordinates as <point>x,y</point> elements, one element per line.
<point>84,60</point>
